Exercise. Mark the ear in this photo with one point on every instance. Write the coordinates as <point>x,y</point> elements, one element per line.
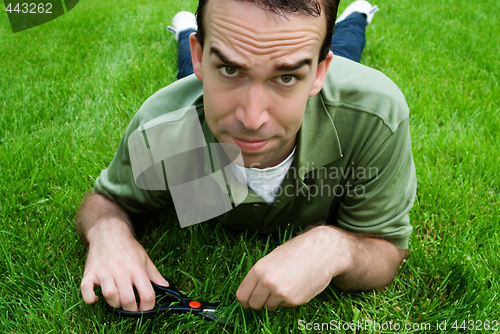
<point>196,55</point>
<point>321,74</point>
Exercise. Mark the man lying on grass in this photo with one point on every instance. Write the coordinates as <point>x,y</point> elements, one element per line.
<point>332,133</point>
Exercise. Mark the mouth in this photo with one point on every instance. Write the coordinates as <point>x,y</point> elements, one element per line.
<point>250,145</point>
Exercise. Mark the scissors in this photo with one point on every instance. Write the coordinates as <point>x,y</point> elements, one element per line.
<point>184,305</point>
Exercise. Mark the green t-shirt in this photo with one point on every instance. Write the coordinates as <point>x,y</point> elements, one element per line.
<point>353,165</point>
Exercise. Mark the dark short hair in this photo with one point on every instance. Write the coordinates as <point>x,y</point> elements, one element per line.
<point>283,7</point>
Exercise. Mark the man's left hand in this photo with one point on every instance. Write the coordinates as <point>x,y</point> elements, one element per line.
<point>296,271</point>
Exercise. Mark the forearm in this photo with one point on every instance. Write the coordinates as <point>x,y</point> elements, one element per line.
<point>302,267</point>
<point>363,263</point>
<point>97,210</point>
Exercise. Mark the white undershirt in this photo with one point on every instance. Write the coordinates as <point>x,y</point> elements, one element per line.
<point>266,182</point>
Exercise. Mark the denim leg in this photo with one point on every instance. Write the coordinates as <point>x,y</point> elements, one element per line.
<point>349,37</point>
<point>185,64</point>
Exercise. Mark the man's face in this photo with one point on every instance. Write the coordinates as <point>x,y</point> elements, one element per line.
<point>258,70</point>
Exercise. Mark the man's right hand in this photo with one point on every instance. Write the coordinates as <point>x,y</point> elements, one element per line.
<point>117,262</point>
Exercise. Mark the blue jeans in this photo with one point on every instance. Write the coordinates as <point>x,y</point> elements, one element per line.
<point>185,64</point>
<point>348,41</point>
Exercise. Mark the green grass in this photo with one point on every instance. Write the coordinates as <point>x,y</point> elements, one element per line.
<point>69,88</point>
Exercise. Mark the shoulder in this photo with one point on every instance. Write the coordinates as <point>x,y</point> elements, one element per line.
<point>350,85</point>
<point>181,94</point>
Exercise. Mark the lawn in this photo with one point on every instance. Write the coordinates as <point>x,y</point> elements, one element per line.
<point>68,89</point>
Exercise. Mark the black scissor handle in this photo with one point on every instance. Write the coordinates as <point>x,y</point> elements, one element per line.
<point>170,290</point>
<point>185,304</point>
<point>183,307</point>
<point>133,314</point>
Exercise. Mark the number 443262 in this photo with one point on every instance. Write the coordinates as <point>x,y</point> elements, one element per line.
<point>30,8</point>
<point>476,325</point>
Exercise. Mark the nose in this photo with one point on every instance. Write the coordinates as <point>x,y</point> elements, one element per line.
<point>253,110</point>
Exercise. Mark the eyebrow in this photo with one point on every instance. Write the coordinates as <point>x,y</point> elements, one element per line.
<point>279,68</point>
<point>227,61</point>
<point>293,67</point>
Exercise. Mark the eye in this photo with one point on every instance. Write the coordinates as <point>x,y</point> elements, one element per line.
<point>229,71</point>
<point>287,80</point>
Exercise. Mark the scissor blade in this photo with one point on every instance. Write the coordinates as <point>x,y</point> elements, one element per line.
<point>210,315</point>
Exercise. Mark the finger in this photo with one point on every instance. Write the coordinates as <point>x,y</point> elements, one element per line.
<point>246,288</point>
<point>273,302</point>
<point>154,275</point>
<point>126,294</point>
<point>110,291</point>
<point>145,289</point>
<point>87,288</point>
<point>259,297</point>
<point>285,304</point>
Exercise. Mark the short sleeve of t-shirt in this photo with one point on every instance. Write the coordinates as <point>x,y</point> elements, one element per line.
<point>381,202</point>
<point>117,182</point>
<point>372,118</point>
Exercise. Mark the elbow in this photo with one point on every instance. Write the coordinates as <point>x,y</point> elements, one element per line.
<point>374,276</point>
